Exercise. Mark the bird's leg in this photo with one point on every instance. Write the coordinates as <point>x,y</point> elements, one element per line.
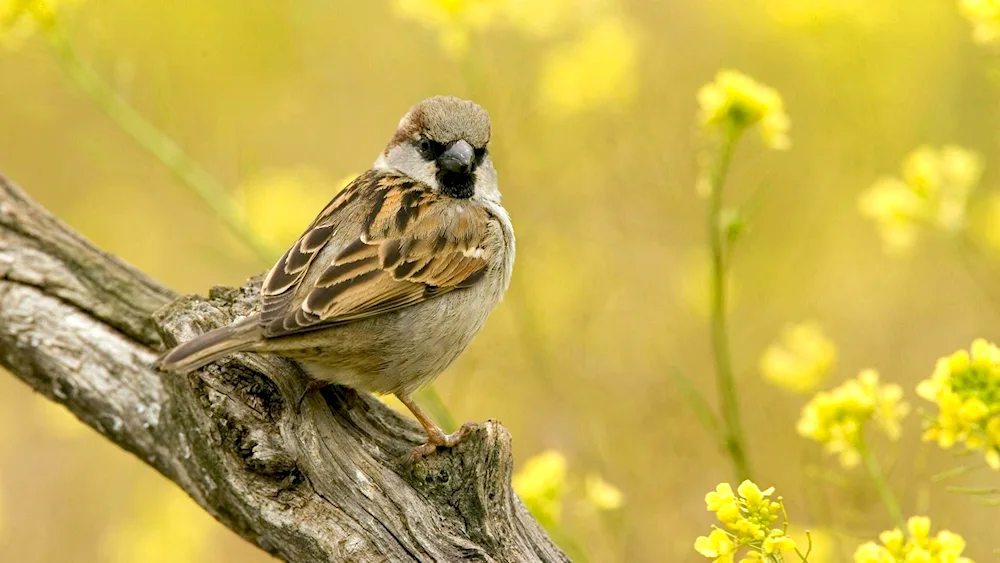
<point>435,436</point>
<point>348,394</point>
<point>313,385</point>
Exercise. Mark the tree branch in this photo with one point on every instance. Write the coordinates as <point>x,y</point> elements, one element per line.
<point>332,483</point>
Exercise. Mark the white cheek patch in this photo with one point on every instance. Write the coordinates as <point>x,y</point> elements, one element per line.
<point>404,158</point>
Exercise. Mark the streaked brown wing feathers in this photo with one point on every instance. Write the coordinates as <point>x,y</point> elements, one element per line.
<point>282,283</point>
<point>413,246</point>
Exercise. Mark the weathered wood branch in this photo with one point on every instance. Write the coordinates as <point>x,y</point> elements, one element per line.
<point>332,483</point>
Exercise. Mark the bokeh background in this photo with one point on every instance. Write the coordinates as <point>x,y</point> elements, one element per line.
<point>595,138</point>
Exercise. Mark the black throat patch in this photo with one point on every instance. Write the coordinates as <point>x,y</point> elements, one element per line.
<point>459,185</point>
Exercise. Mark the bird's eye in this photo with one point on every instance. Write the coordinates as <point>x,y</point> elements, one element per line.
<point>480,155</point>
<point>428,148</point>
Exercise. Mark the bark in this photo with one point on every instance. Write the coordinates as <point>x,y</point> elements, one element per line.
<point>332,482</point>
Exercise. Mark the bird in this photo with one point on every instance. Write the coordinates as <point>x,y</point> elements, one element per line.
<point>395,276</point>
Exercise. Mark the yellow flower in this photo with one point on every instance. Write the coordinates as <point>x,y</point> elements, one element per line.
<point>721,496</point>
<point>717,545</point>
<point>934,192</point>
<point>919,527</point>
<point>872,553</point>
<point>985,18</point>
<point>454,20</point>
<point>752,494</point>
<point>966,388</point>
<point>895,208</point>
<point>602,494</point>
<point>279,203</point>
<point>800,360</point>
<point>918,547</point>
<point>776,542</point>
<point>734,101</point>
<point>13,13</point>
<point>541,484</point>
<point>837,418</point>
<point>951,545</point>
<point>893,540</point>
<point>749,515</point>
<point>597,69</point>
<point>21,18</point>
<point>730,515</point>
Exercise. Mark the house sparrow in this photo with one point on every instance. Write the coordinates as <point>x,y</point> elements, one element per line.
<point>395,276</point>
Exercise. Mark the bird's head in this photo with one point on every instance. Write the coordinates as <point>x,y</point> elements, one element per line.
<point>442,141</point>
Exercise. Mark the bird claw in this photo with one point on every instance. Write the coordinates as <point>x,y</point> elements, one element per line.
<point>436,440</point>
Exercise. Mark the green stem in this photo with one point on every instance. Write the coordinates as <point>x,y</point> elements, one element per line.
<point>882,486</point>
<point>735,443</point>
<point>190,172</point>
<point>700,406</point>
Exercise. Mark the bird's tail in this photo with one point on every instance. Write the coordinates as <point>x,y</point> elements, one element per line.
<point>213,345</point>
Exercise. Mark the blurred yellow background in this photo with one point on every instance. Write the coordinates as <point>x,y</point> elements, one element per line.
<point>595,139</point>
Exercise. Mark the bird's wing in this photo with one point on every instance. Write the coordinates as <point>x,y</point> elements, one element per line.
<point>412,245</point>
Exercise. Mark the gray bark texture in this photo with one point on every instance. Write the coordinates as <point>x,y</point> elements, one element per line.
<point>332,482</point>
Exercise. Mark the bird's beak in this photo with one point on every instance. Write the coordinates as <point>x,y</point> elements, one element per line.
<point>457,158</point>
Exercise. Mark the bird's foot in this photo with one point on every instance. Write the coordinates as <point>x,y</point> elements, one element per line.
<point>437,438</point>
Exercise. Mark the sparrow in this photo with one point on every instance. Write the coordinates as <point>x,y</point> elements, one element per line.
<point>395,276</point>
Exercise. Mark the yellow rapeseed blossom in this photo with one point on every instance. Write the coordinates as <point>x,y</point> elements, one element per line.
<point>837,418</point>
<point>596,69</point>
<point>985,18</point>
<point>279,204</point>
<point>918,546</point>
<point>19,19</point>
<point>456,21</point>
<point>735,102</point>
<point>966,389</point>
<point>751,520</point>
<point>13,17</point>
<point>800,360</point>
<point>592,66</point>
<point>717,544</point>
<point>934,192</point>
<point>541,484</point>
<point>453,20</point>
<point>601,494</point>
